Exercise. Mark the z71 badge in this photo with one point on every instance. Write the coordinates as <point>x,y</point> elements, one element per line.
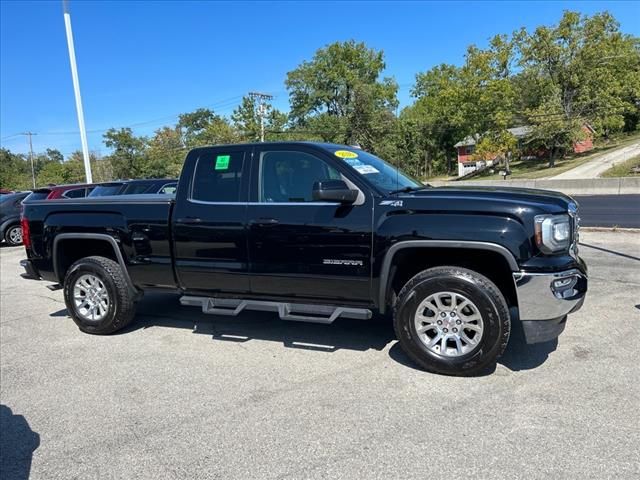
<point>392,203</point>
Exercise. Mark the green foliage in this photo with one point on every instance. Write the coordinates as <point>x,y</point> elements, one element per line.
<point>15,171</point>
<point>246,121</point>
<point>166,153</point>
<point>69,171</point>
<point>340,97</point>
<point>495,144</point>
<point>204,127</point>
<point>554,78</point>
<point>583,70</point>
<point>129,157</point>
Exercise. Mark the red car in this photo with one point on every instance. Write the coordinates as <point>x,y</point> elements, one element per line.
<point>78,190</point>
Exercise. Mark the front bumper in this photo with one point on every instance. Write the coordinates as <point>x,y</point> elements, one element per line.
<point>545,299</point>
<point>30,271</point>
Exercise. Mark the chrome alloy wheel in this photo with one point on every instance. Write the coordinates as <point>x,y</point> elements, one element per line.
<point>449,324</point>
<point>90,298</point>
<point>15,235</point>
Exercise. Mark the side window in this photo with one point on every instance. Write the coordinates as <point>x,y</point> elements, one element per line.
<point>75,193</point>
<point>137,188</point>
<point>218,177</point>
<point>288,176</point>
<point>169,189</point>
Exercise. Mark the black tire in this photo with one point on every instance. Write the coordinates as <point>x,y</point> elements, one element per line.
<point>481,291</point>
<point>10,232</point>
<point>122,306</point>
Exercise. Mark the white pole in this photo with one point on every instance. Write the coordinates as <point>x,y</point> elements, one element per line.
<point>76,89</point>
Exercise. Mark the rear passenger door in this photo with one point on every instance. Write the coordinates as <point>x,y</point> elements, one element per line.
<point>209,222</point>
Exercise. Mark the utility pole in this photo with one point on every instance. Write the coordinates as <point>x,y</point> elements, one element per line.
<point>76,90</point>
<point>427,160</point>
<point>33,170</point>
<point>262,108</point>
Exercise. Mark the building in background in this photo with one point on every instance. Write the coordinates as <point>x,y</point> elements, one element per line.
<point>466,148</point>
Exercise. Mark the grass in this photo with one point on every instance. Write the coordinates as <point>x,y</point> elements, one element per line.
<point>624,169</point>
<point>539,168</point>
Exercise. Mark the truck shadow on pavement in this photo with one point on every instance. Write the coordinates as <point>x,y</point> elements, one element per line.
<point>17,444</point>
<point>164,310</point>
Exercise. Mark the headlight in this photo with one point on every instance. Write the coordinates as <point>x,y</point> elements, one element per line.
<point>553,232</point>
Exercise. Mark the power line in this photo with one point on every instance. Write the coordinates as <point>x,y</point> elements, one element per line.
<point>221,104</point>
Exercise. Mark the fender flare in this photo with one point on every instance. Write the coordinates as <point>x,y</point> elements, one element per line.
<point>388,258</point>
<point>92,236</point>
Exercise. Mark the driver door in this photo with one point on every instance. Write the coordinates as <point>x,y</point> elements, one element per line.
<point>304,248</point>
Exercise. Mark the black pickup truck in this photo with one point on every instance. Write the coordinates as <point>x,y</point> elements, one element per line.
<point>317,232</point>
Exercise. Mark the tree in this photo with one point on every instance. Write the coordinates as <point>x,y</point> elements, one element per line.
<point>583,70</point>
<point>204,127</point>
<point>15,171</point>
<point>454,102</point>
<point>166,153</point>
<point>339,95</point>
<point>247,121</point>
<point>69,171</point>
<point>129,157</point>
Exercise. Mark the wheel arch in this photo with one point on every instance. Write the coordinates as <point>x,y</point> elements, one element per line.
<point>105,245</point>
<point>463,248</point>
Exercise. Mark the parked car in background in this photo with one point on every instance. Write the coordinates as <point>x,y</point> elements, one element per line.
<point>77,190</point>
<point>136,187</point>
<point>4,191</point>
<point>10,208</point>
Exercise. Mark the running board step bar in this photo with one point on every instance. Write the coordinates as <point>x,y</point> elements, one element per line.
<point>287,311</point>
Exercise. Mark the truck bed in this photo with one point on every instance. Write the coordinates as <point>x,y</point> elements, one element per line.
<point>140,224</point>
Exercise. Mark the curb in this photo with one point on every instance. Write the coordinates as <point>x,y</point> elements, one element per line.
<point>610,229</point>
<point>592,186</point>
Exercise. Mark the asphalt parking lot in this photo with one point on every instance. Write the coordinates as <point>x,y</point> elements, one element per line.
<point>185,395</point>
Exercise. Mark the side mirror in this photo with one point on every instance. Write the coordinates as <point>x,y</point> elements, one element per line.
<point>334,191</point>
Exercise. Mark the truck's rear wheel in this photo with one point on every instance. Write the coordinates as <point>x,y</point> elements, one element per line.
<point>97,296</point>
<point>452,320</point>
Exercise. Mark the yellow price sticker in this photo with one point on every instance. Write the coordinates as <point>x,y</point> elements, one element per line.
<point>345,154</point>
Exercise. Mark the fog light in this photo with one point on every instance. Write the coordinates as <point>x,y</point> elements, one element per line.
<point>563,282</point>
<point>563,287</point>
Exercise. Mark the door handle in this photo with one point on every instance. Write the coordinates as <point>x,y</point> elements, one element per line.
<point>189,220</point>
<point>265,222</point>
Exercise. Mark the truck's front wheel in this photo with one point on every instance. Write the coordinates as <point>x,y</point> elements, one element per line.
<point>97,296</point>
<point>452,320</point>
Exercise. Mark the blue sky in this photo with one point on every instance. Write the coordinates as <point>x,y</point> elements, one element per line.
<point>141,63</point>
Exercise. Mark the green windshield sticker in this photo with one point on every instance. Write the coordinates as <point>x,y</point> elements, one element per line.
<point>222,162</point>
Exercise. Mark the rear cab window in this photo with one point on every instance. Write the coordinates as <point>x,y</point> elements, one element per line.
<point>218,176</point>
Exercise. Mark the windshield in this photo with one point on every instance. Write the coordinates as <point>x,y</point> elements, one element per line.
<point>378,172</point>
<point>106,190</point>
